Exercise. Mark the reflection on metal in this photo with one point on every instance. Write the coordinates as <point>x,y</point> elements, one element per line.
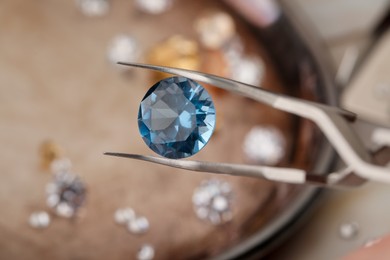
<point>334,122</point>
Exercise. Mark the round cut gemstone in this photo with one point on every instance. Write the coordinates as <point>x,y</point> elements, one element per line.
<point>176,117</point>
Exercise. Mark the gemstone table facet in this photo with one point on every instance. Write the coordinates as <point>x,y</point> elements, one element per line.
<point>176,117</point>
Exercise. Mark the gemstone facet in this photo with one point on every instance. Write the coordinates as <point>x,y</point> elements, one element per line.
<point>176,117</point>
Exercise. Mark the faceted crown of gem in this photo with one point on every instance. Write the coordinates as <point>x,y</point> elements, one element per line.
<point>176,117</point>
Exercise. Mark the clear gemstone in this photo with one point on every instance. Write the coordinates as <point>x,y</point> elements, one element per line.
<point>249,70</point>
<point>123,48</point>
<point>123,216</point>
<point>212,201</point>
<point>215,29</point>
<point>40,219</point>
<point>93,7</point>
<point>348,230</point>
<point>60,165</point>
<point>176,117</point>
<point>154,6</point>
<point>220,203</point>
<point>64,210</point>
<point>146,252</point>
<point>138,225</point>
<point>264,145</point>
<point>65,194</point>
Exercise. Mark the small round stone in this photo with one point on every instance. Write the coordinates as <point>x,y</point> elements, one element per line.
<point>93,7</point>
<point>64,210</point>
<point>146,252</point>
<point>202,212</point>
<point>153,6</point>
<point>138,225</point>
<point>264,145</point>
<point>123,216</point>
<point>220,203</point>
<point>212,201</point>
<point>60,165</point>
<point>52,200</point>
<point>249,70</point>
<point>123,48</point>
<point>65,194</point>
<point>348,230</point>
<point>201,197</point>
<point>39,220</point>
<point>176,117</point>
<point>215,28</point>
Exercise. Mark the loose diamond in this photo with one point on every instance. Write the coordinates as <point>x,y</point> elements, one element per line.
<point>212,201</point>
<point>154,6</point>
<point>93,7</point>
<point>264,145</point>
<point>176,117</point>
<point>146,252</point>
<point>249,70</point>
<point>123,48</point>
<point>65,194</point>
<point>215,29</point>
<point>348,230</point>
<point>39,220</point>
<point>138,225</point>
<point>60,165</point>
<point>123,216</point>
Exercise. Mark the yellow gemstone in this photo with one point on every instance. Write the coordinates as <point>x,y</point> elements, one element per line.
<point>49,151</point>
<point>177,51</point>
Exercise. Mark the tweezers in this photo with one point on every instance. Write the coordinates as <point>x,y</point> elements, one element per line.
<point>334,122</point>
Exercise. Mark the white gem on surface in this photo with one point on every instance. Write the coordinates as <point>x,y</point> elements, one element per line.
<point>212,201</point>
<point>60,165</point>
<point>348,230</point>
<point>40,219</point>
<point>153,6</point>
<point>264,145</point>
<point>220,203</point>
<point>52,200</point>
<point>124,48</point>
<point>215,29</point>
<point>64,210</point>
<point>65,194</point>
<point>123,216</point>
<point>146,252</point>
<point>201,197</point>
<point>249,70</point>
<point>138,225</point>
<point>202,212</point>
<point>93,7</point>
<point>233,50</point>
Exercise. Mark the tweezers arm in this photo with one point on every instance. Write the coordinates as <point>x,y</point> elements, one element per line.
<point>288,175</point>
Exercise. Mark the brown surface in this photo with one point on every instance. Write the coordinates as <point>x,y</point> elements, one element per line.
<point>55,83</point>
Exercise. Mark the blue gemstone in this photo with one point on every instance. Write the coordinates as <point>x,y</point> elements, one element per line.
<point>176,117</point>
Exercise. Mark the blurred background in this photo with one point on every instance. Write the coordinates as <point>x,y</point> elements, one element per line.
<point>64,102</point>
